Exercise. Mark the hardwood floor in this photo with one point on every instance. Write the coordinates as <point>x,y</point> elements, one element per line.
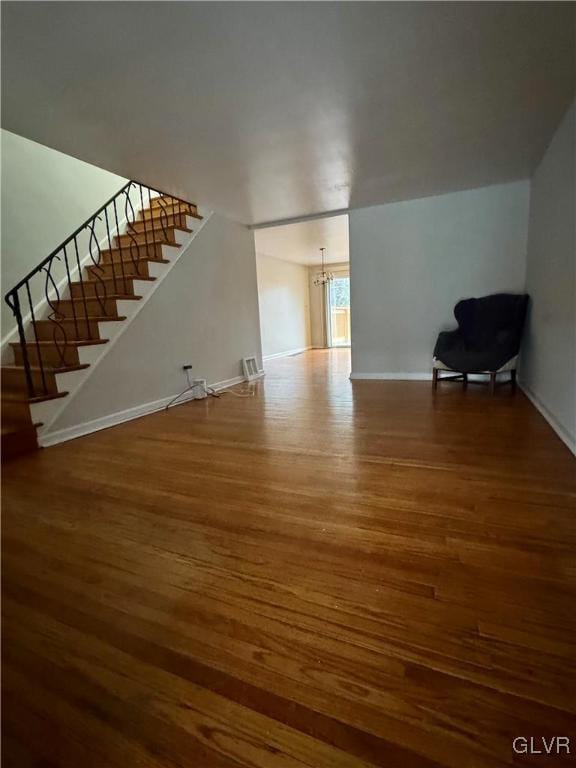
<point>326,574</point>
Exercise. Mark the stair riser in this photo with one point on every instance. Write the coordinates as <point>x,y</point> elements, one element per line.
<point>159,202</point>
<point>16,413</point>
<point>92,308</point>
<point>15,381</point>
<point>71,354</point>
<point>10,421</point>
<point>160,213</point>
<point>48,355</point>
<point>47,331</point>
<point>131,255</point>
<point>45,412</point>
<point>166,233</point>
<point>94,288</point>
<point>19,443</point>
<point>141,269</point>
<point>168,221</point>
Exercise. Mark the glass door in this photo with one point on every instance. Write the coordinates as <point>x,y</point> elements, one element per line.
<point>338,295</point>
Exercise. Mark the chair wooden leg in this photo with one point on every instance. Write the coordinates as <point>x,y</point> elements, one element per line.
<point>513,379</point>
<point>492,383</point>
<point>464,380</point>
<point>434,378</point>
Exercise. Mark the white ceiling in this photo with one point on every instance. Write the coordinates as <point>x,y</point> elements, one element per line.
<point>270,110</point>
<point>301,242</point>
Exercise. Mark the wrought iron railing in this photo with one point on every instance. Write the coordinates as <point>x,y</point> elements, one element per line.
<point>93,265</point>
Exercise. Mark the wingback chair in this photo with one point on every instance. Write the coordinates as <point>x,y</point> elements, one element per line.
<point>487,339</point>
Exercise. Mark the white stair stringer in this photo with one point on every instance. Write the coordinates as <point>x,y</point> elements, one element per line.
<point>46,413</point>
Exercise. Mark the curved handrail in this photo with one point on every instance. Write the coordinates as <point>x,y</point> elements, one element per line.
<point>80,316</point>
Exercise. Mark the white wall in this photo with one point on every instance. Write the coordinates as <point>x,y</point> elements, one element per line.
<point>548,369</point>
<point>46,195</point>
<point>412,261</point>
<point>205,312</point>
<point>284,305</point>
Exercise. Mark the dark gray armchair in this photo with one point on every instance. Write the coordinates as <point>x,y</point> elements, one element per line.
<point>487,339</point>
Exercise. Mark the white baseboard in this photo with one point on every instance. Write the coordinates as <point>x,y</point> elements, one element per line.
<point>288,353</point>
<point>111,420</point>
<point>564,435</point>
<point>391,376</point>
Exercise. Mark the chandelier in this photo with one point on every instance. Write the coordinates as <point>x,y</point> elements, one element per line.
<point>323,277</point>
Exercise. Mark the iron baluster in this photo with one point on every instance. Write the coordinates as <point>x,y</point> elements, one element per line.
<point>55,316</point>
<point>37,341</point>
<point>110,247</point>
<point>133,242</point>
<point>163,217</point>
<point>72,302</point>
<point>15,307</point>
<point>98,268</point>
<point>82,289</point>
<point>145,227</point>
<point>118,230</point>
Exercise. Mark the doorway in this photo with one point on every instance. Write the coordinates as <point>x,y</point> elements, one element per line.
<point>298,308</point>
<point>338,310</point>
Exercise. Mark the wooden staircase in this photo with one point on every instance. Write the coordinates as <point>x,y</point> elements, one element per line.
<point>53,342</point>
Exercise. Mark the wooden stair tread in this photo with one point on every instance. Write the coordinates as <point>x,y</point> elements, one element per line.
<point>169,220</point>
<point>14,429</point>
<point>13,396</point>
<point>168,200</point>
<point>74,342</point>
<point>119,296</point>
<point>128,260</point>
<point>156,241</point>
<point>51,369</point>
<point>157,212</point>
<point>91,319</point>
<point>112,280</point>
<point>44,398</point>
<point>22,397</point>
<point>157,229</point>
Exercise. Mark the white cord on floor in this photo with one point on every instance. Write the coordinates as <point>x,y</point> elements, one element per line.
<point>250,393</point>
<point>210,391</point>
